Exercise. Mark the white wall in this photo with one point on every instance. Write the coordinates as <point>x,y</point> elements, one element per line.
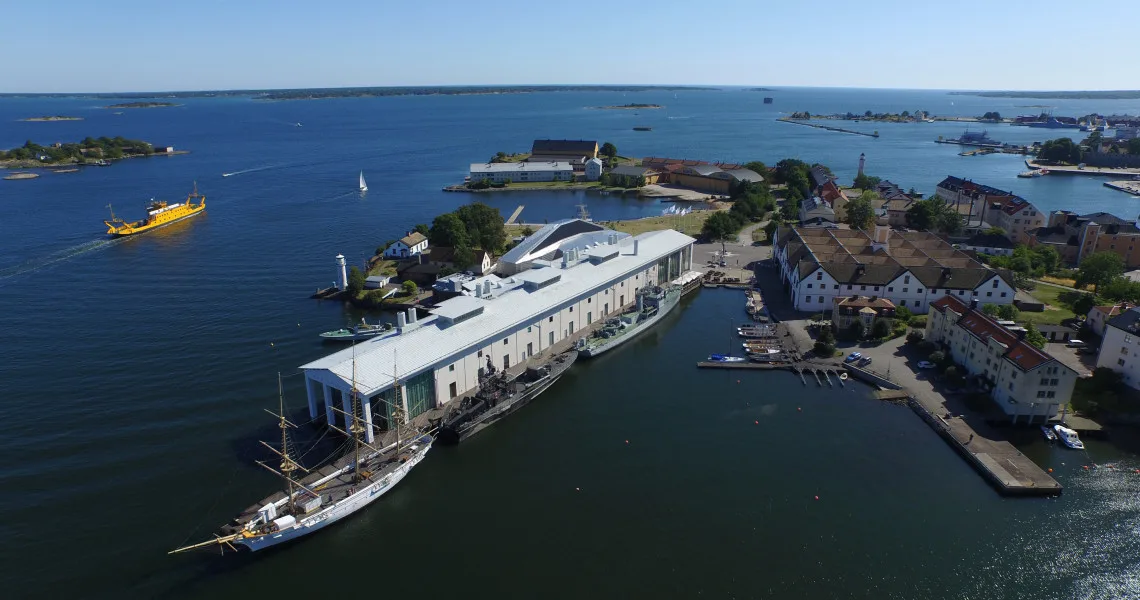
<point>1120,351</point>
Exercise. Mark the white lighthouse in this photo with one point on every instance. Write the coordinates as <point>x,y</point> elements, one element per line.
<point>342,281</point>
<point>862,161</point>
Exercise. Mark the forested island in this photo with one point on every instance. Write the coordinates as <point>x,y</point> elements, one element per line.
<point>1071,95</point>
<point>630,106</point>
<point>142,105</point>
<point>90,150</point>
<point>51,118</point>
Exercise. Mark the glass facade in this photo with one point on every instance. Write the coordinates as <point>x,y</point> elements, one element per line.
<point>419,397</point>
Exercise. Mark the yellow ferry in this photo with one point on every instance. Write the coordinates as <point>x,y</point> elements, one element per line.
<point>159,213</point>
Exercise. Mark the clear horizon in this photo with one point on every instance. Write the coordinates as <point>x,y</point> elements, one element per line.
<point>135,46</point>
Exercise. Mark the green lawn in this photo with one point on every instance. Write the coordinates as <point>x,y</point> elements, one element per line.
<point>689,224</point>
<point>1055,310</point>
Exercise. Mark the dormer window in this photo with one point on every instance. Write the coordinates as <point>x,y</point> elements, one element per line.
<point>906,279</point>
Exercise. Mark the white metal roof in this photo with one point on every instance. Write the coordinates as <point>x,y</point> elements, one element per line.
<point>433,340</point>
<point>518,167</point>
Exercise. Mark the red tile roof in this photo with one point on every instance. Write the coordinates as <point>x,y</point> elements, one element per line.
<point>1019,352</point>
<point>1110,311</point>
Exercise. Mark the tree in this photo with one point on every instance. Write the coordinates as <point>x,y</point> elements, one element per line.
<point>995,231</point>
<point>1033,336</point>
<point>1099,269</point>
<point>421,228</point>
<point>915,337</point>
<point>880,329</point>
<point>770,230</point>
<point>866,182</point>
<point>484,225</point>
<point>825,342</point>
<point>1008,312</point>
<point>1120,288</point>
<point>410,288</point>
<point>937,357</point>
<point>1060,150</point>
<point>355,281</point>
<point>757,167</point>
<point>933,214</point>
<point>605,180</point>
<point>903,314</point>
<point>990,310</point>
<point>608,149</point>
<point>720,227</point>
<point>855,330</point>
<point>861,211</point>
<point>463,257</point>
<point>1134,146</point>
<point>991,116</point>
<point>1083,304</point>
<point>527,231</point>
<point>448,230</point>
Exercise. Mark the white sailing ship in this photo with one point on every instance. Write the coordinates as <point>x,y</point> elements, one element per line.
<point>363,184</point>
<point>327,495</point>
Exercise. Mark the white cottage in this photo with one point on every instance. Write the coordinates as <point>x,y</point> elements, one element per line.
<point>410,245</point>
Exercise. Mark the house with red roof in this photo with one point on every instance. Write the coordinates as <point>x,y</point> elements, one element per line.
<point>1028,384</point>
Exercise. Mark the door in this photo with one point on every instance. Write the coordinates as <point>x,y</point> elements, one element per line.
<point>589,318</point>
<point>571,327</point>
<point>529,349</point>
<point>506,361</point>
<point>551,338</point>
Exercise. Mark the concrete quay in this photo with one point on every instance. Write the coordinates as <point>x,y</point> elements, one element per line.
<point>1009,471</point>
<point>1128,187</point>
<point>1071,170</point>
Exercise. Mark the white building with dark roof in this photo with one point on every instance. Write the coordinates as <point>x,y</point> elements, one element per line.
<point>911,269</point>
<point>1026,383</point>
<point>410,245</point>
<point>563,281</point>
<point>1120,348</point>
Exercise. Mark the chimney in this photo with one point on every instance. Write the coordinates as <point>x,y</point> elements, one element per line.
<point>401,323</point>
<point>880,239</point>
<point>565,259</point>
<point>411,315</point>
<point>635,242</point>
<point>487,287</point>
<point>974,303</point>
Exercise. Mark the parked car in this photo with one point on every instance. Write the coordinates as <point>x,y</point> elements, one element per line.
<point>866,360</point>
<point>925,364</point>
<point>854,356</point>
<point>1075,343</point>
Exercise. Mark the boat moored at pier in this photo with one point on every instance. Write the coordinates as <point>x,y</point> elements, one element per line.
<point>652,304</point>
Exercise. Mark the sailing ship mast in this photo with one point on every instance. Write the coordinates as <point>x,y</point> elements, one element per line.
<point>355,429</point>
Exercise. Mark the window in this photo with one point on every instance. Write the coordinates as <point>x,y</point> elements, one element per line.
<point>454,391</point>
<point>862,288</point>
<point>995,283</point>
<point>808,299</point>
<point>821,299</point>
<point>1052,382</point>
<point>1040,394</point>
<point>1044,382</point>
<point>902,302</point>
<point>988,294</point>
<point>572,308</point>
<point>890,289</point>
<point>1003,294</point>
<point>809,286</point>
<point>528,329</point>
<point>1013,375</point>
<point>961,292</point>
<point>905,290</point>
<point>934,291</point>
<point>451,369</point>
<point>1120,361</point>
<point>876,288</point>
<point>1124,349</point>
<point>506,341</point>
<point>906,278</point>
<point>480,354</point>
<point>919,290</point>
<point>589,300</point>
<point>837,286</point>
<point>1011,386</point>
<point>849,288</point>
<point>818,276</point>
<point>550,320</point>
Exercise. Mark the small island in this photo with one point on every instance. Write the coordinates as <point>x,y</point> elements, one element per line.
<point>142,105</point>
<point>51,118</point>
<point>91,151</point>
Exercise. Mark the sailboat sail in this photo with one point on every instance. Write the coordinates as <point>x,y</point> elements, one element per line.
<point>363,185</point>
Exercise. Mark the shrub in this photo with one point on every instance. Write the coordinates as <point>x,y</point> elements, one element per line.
<point>937,356</point>
<point>855,330</point>
<point>919,322</point>
<point>914,337</point>
<point>881,328</point>
<point>410,288</point>
<point>926,347</point>
<point>903,314</point>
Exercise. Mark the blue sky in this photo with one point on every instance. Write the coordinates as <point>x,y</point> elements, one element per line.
<point>121,45</point>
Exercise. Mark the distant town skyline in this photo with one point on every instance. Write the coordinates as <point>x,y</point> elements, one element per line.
<point>129,45</point>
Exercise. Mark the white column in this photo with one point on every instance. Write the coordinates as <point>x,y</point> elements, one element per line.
<point>346,406</point>
<point>330,418</point>
<point>366,409</point>
<point>312,397</point>
<point>404,402</point>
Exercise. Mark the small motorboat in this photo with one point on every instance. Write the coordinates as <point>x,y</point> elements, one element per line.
<point>726,358</point>
<point>1048,433</point>
<point>843,376</point>
<point>363,331</point>
<point>1033,173</point>
<point>1069,437</point>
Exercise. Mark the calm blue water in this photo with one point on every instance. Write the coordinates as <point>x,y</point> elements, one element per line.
<point>135,372</point>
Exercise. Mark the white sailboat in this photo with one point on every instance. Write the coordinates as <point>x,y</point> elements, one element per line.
<point>329,494</point>
<point>363,185</point>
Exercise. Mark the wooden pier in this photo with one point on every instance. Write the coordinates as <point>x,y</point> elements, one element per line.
<point>515,215</point>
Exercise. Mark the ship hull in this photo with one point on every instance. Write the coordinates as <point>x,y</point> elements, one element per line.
<point>343,508</point>
<point>152,226</point>
<point>450,435</point>
<point>638,328</point>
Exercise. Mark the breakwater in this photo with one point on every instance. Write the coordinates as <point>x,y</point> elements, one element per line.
<point>828,127</point>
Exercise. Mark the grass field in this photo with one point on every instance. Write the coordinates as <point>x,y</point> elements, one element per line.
<point>1055,310</point>
<point>689,224</point>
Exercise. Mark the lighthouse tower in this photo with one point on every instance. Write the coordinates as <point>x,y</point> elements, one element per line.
<point>862,161</point>
<point>342,280</point>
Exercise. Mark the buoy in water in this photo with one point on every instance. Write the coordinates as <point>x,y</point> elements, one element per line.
<point>1086,467</point>
<point>756,422</point>
<point>817,497</point>
<point>798,409</point>
<point>1050,470</point>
